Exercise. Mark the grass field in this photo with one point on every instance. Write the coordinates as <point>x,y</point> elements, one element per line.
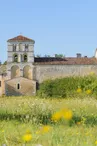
<point>32,116</point>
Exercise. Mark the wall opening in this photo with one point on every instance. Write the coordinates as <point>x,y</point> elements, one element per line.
<point>27,72</point>
<point>15,72</point>
<point>25,58</point>
<point>15,58</point>
<point>18,86</point>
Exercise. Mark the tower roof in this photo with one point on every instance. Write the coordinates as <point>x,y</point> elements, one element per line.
<point>21,38</point>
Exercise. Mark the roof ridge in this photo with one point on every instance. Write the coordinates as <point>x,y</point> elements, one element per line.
<point>20,38</point>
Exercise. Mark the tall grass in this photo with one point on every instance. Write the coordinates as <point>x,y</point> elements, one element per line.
<point>36,110</point>
<point>18,114</point>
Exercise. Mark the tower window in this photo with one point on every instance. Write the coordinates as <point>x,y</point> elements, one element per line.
<point>15,58</point>
<point>14,48</point>
<point>26,47</point>
<point>0,83</point>
<point>25,58</point>
<point>18,86</point>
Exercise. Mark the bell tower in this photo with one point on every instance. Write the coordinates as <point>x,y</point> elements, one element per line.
<point>20,57</point>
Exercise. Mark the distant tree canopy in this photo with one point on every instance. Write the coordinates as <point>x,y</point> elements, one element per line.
<point>38,55</point>
<point>5,63</point>
<point>59,55</point>
<point>46,55</point>
<point>56,56</point>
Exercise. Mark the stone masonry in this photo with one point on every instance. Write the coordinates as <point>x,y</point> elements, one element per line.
<point>23,70</point>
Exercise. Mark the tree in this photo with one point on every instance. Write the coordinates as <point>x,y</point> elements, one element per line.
<point>5,63</point>
<point>46,55</point>
<point>38,55</point>
<point>59,56</point>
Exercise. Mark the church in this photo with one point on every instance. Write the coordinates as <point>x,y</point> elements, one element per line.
<point>24,71</point>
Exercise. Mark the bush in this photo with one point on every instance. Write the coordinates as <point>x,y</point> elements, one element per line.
<point>66,87</point>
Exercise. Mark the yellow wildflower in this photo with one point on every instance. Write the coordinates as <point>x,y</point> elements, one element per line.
<point>28,136</point>
<point>79,90</point>
<point>88,91</point>
<point>96,142</point>
<point>64,113</point>
<point>78,123</point>
<point>44,129</point>
<point>77,133</point>
<point>67,114</point>
<point>38,132</point>
<point>56,116</point>
<point>92,73</point>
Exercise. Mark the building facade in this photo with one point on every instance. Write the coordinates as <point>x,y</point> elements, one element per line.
<point>23,70</point>
<point>20,58</point>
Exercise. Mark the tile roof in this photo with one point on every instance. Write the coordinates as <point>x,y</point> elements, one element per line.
<point>20,38</point>
<point>66,61</point>
<point>58,61</point>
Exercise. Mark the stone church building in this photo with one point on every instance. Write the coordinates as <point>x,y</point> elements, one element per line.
<point>23,71</point>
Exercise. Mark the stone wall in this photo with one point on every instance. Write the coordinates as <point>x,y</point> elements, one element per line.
<point>2,87</point>
<point>44,72</point>
<point>41,73</point>
<point>26,87</point>
<point>21,67</point>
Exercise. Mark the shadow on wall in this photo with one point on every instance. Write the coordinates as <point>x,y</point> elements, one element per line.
<point>27,72</point>
<point>10,91</point>
<point>15,72</point>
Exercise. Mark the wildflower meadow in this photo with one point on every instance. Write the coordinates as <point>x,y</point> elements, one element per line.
<point>51,121</point>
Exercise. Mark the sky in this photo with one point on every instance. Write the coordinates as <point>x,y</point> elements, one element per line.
<point>58,26</point>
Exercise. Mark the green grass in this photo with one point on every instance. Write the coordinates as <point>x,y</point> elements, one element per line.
<point>18,114</point>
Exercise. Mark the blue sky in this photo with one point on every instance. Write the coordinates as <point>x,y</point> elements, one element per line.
<point>57,26</point>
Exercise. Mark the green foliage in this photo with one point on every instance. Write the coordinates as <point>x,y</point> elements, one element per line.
<point>5,63</point>
<point>46,55</point>
<point>59,55</point>
<point>67,87</point>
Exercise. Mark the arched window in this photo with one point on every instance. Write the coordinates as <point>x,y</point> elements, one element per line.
<point>15,58</point>
<point>25,58</point>
<point>18,86</point>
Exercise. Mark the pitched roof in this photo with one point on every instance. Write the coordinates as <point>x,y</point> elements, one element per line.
<point>20,38</point>
<point>58,61</point>
<point>66,61</point>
